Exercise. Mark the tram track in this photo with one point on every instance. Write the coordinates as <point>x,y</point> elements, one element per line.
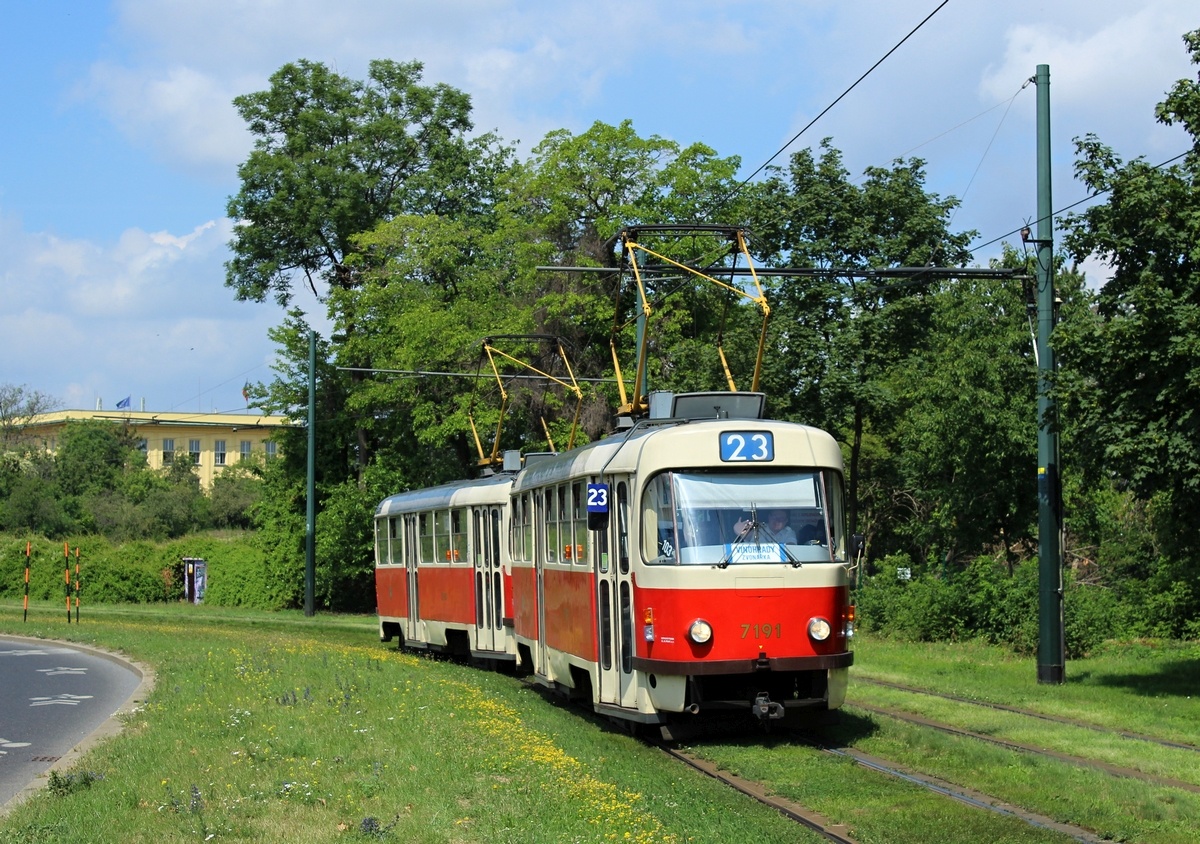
<point>969,797</point>
<point>840,832</point>
<point>1057,719</point>
<point>788,808</point>
<point>1071,759</point>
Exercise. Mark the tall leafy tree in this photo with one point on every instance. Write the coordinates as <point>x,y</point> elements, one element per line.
<point>1138,361</point>
<point>575,196</point>
<point>965,443</point>
<point>840,334</point>
<point>334,157</point>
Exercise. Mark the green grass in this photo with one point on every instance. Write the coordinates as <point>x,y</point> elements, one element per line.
<point>277,728</point>
<point>1148,688</point>
<point>274,727</point>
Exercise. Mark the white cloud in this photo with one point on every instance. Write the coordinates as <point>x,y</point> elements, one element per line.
<point>1103,78</point>
<point>183,115</point>
<point>139,316</point>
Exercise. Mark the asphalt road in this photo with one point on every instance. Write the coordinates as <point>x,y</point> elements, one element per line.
<point>53,697</point>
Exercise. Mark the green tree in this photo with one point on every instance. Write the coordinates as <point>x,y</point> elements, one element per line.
<point>18,406</point>
<point>1135,368</point>
<point>965,441</point>
<point>90,456</point>
<point>838,334</point>
<point>333,157</point>
<point>235,492</point>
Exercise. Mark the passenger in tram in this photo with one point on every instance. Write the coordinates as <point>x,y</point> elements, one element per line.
<point>811,533</point>
<point>775,529</point>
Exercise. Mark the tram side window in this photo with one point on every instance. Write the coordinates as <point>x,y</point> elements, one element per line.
<point>551,527</point>
<point>410,541</point>
<point>659,542</point>
<point>514,519</point>
<point>517,528</point>
<point>837,514</point>
<point>425,530</point>
<point>458,537</point>
<point>566,533</point>
<point>441,538</point>
<point>381,548</point>
<point>527,526</point>
<point>623,526</point>
<point>495,534</point>
<point>395,531</point>
<point>579,521</point>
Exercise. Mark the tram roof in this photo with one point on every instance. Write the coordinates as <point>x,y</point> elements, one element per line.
<point>489,490</point>
<point>624,453</point>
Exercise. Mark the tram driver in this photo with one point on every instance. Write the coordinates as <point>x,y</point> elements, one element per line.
<point>776,527</point>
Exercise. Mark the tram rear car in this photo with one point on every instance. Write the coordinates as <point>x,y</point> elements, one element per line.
<point>677,598</point>
<point>441,568</point>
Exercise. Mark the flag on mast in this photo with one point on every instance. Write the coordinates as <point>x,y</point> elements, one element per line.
<point>246,391</point>
<point>123,404</point>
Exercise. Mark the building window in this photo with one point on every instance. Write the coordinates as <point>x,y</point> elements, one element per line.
<point>143,446</point>
<point>245,450</point>
<point>270,446</point>
<point>219,452</point>
<point>194,450</point>
<point>168,452</point>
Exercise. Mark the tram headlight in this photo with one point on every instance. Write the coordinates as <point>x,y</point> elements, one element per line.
<point>700,632</point>
<point>819,629</point>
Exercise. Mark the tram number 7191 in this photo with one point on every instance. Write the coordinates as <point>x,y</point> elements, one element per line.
<point>762,631</point>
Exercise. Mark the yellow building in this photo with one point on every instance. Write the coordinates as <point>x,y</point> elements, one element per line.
<point>212,440</point>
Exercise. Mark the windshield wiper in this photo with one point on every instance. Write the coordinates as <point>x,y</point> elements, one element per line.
<point>753,526</point>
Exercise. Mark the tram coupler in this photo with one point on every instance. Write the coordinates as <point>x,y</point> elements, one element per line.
<point>765,709</point>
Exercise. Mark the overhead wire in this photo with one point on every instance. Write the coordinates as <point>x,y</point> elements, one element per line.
<point>1056,214</point>
<point>986,150</point>
<point>840,97</point>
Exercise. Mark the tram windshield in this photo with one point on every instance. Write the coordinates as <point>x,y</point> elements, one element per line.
<point>736,518</point>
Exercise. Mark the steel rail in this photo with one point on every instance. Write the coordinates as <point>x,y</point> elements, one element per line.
<point>1057,719</point>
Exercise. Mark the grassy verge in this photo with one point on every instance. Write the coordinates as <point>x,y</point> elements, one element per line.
<point>276,728</point>
<point>1143,688</point>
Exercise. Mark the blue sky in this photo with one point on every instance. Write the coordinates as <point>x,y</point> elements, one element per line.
<point>119,146</point>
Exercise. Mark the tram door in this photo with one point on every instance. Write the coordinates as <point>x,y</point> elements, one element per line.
<point>539,564</point>
<point>614,602</point>
<point>413,629</point>
<point>488,598</point>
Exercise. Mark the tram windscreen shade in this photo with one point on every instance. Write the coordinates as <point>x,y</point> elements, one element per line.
<point>797,489</point>
<point>718,406</point>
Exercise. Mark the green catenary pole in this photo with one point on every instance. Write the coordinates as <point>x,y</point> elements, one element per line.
<point>311,519</point>
<point>1051,648</point>
<point>77,585</point>
<point>28,552</point>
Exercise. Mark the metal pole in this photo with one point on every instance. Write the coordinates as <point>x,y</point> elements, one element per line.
<point>310,523</point>
<point>1051,644</point>
<point>28,551</point>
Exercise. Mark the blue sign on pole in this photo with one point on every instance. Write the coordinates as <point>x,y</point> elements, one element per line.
<point>597,498</point>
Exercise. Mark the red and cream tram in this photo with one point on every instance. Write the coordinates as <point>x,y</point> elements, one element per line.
<point>690,567</point>
<point>441,568</point>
